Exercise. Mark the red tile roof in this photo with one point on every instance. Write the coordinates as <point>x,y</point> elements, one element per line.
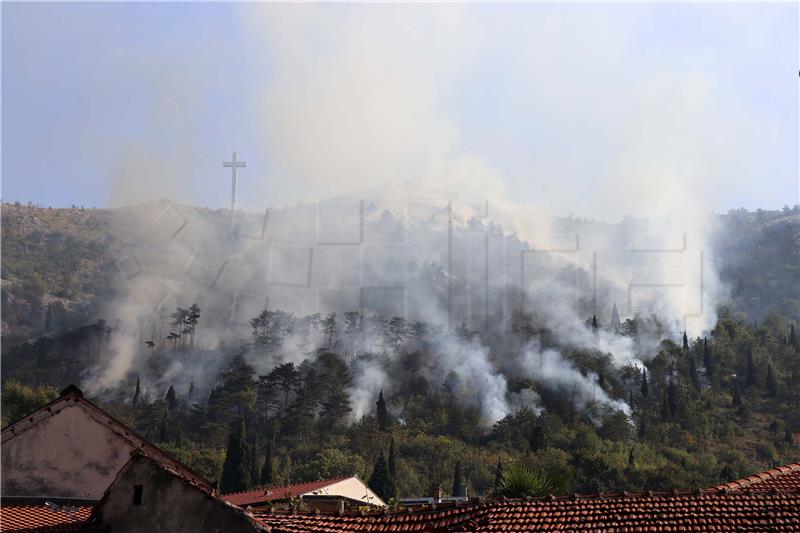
<point>785,478</point>
<point>695,511</point>
<point>41,518</point>
<point>264,494</point>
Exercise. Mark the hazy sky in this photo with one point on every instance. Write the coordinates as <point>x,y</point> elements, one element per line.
<point>593,110</point>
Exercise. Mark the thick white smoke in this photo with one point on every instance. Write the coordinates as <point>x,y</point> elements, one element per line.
<point>357,106</point>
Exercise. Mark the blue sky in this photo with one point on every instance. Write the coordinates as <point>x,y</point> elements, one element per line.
<point>593,110</point>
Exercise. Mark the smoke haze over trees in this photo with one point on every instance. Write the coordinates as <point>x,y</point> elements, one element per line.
<point>537,384</point>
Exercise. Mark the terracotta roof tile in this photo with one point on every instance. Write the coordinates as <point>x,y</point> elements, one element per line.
<point>694,511</point>
<point>264,494</point>
<point>783,478</point>
<point>41,518</point>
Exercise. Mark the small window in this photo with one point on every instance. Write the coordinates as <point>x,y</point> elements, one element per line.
<point>137,494</point>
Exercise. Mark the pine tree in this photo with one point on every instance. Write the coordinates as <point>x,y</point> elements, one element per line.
<point>457,481</point>
<point>645,388</point>
<point>286,378</point>
<point>772,382</point>
<point>793,340</point>
<point>382,413</point>
<point>137,392</point>
<point>380,480</point>
<point>190,322</point>
<point>334,379</point>
<point>266,470</point>
<point>235,474</point>
<point>171,398</point>
<point>329,328</point>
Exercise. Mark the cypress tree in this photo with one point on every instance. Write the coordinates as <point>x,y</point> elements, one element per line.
<point>171,398</point>
<point>595,326</point>
<point>392,464</point>
<point>235,475</point>
<point>457,481</point>
<point>693,376</point>
<point>266,470</point>
<point>255,473</point>
<point>752,372</point>
<point>672,397</point>
<point>645,388</point>
<point>707,362</point>
<point>614,317</point>
<point>631,458</point>
<point>179,437</point>
<point>664,407</point>
<point>498,474</point>
<point>685,342</point>
<point>382,413</point>
<point>737,398</point>
<point>380,480</point>
<point>794,341</point>
<point>772,382</point>
<point>48,323</point>
<point>162,429</point>
<point>137,392</point>
<point>392,459</point>
<point>190,396</point>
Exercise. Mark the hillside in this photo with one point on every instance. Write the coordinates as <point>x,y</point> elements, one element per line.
<point>595,403</point>
<point>66,260</point>
<point>57,263</point>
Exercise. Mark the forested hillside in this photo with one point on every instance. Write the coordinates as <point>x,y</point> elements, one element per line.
<point>293,399</point>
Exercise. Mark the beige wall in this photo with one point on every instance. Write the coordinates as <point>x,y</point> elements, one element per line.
<point>68,454</point>
<point>352,488</point>
<point>169,504</point>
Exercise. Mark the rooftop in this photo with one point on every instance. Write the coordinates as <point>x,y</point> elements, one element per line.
<point>44,516</point>
<point>71,397</point>
<point>785,478</point>
<point>713,510</point>
<point>268,494</point>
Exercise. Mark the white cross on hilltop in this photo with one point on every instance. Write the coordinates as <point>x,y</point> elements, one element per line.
<point>234,163</point>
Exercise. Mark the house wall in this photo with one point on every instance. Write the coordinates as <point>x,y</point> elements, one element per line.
<point>68,454</point>
<point>169,504</point>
